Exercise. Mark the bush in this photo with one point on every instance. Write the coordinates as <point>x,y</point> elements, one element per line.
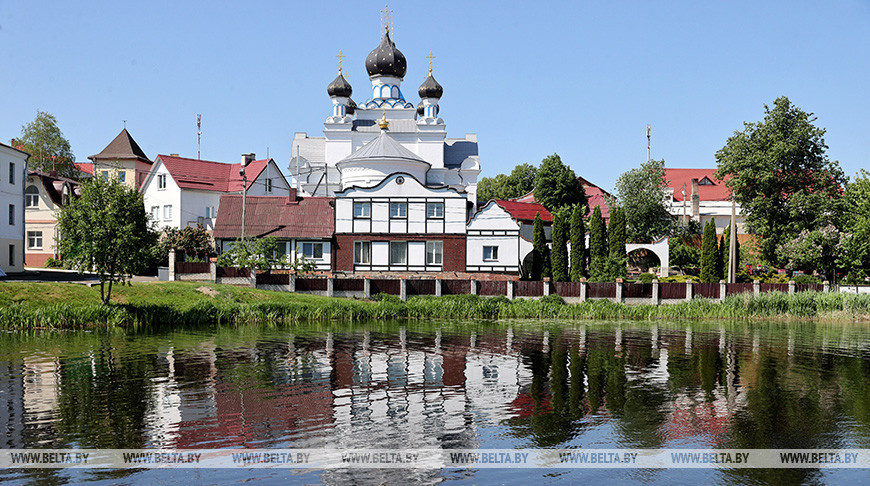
<point>552,299</point>
<point>53,263</point>
<point>646,277</point>
<point>806,279</point>
<point>385,297</point>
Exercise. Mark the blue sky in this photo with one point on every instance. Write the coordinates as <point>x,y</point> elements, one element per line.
<point>581,79</point>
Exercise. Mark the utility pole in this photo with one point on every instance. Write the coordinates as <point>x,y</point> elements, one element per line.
<point>198,135</point>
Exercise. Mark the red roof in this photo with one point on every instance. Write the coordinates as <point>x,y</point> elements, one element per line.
<point>715,191</point>
<point>279,216</point>
<point>86,167</point>
<point>206,175</point>
<point>525,211</point>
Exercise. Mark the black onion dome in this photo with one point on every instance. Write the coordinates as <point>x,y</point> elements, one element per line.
<point>430,88</point>
<point>386,60</point>
<point>351,107</point>
<point>339,87</point>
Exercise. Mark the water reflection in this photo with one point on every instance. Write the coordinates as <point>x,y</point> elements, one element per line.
<point>462,385</point>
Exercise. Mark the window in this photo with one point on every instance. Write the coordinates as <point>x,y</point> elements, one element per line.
<point>122,177</point>
<point>155,213</point>
<point>312,250</point>
<point>34,240</point>
<point>268,185</point>
<point>398,210</point>
<point>434,253</point>
<point>705,182</point>
<point>210,212</point>
<point>105,175</point>
<point>398,252</point>
<point>11,214</point>
<point>490,253</point>
<point>11,255</point>
<point>362,210</point>
<point>31,197</point>
<point>161,181</point>
<point>362,252</point>
<point>435,210</point>
<point>167,211</point>
<point>12,172</point>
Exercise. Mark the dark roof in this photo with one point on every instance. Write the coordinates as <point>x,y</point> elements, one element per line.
<point>430,88</point>
<point>122,147</point>
<point>283,217</point>
<point>339,87</point>
<point>351,106</point>
<point>53,185</point>
<point>386,60</point>
<point>206,175</point>
<point>525,211</point>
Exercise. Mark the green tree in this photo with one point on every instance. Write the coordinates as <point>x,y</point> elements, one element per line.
<point>685,246</point>
<point>641,194</point>
<point>781,176</point>
<point>709,254</point>
<point>617,232</point>
<point>819,249</point>
<point>559,252</point>
<point>195,243</point>
<point>721,260</point>
<point>598,250</point>
<point>541,255</point>
<point>578,245</point>
<point>855,256</point>
<point>556,185</point>
<point>520,182</point>
<point>48,148</point>
<point>106,231</point>
<point>262,254</point>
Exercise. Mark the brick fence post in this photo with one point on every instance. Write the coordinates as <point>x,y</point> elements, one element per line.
<point>367,287</point>
<point>756,288</point>
<point>511,289</point>
<point>437,287</point>
<point>473,287</point>
<point>826,286</point>
<point>172,265</point>
<point>791,287</point>
<point>403,289</point>
<point>330,287</point>
<point>619,297</point>
<point>655,291</point>
<point>583,288</point>
<point>689,290</point>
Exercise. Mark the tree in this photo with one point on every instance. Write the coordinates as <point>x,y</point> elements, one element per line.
<point>855,257</point>
<point>641,194</point>
<point>781,176</point>
<point>48,148</point>
<point>617,232</point>
<point>685,246</point>
<point>598,250</point>
<point>540,254</point>
<point>559,252</point>
<point>709,254</point>
<point>107,231</point>
<point>520,182</point>
<point>819,249</point>
<point>556,185</point>
<point>196,243</point>
<point>578,245</point>
<point>721,260</point>
<point>262,254</point>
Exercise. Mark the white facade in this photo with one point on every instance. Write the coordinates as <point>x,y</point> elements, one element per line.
<point>13,174</point>
<point>494,243</point>
<point>163,197</point>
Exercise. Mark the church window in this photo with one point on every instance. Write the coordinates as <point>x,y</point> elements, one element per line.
<point>435,210</point>
<point>362,210</point>
<point>398,210</point>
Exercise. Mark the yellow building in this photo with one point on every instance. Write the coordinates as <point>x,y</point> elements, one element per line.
<point>123,160</point>
<point>44,195</point>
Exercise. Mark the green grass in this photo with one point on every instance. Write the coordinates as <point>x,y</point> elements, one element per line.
<point>75,306</point>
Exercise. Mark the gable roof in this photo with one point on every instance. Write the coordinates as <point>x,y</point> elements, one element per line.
<point>205,175</point>
<point>383,147</point>
<point>525,211</point>
<point>717,191</point>
<point>122,147</point>
<point>279,216</point>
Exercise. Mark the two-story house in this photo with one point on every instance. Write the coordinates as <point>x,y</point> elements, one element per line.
<point>181,192</point>
<point>44,195</point>
<point>13,168</point>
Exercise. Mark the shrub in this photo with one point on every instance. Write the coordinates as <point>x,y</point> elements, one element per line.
<point>53,263</point>
<point>385,297</point>
<point>553,299</point>
<point>646,277</point>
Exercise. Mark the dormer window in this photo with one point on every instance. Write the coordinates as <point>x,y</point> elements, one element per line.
<point>31,197</point>
<point>706,182</point>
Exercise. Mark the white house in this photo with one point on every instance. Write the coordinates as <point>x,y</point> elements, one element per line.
<point>181,192</point>
<point>400,225</point>
<point>13,171</point>
<point>698,195</point>
<point>500,236</point>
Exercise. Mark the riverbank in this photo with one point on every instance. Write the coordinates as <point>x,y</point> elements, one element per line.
<point>75,306</point>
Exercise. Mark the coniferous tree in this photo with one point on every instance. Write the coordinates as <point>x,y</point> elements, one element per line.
<point>541,255</point>
<point>709,252</point>
<point>617,236</point>
<point>722,258</point>
<point>578,244</point>
<point>559,252</point>
<point>598,250</point>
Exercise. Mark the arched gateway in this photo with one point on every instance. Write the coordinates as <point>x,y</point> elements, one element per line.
<point>660,248</point>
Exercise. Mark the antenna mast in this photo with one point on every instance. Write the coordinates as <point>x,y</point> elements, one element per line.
<point>648,140</point>
<point>198,135</point>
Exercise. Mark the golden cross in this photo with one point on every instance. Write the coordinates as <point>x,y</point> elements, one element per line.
<point>430,57</point>
<point>387,18</point>
<point>340,57</point>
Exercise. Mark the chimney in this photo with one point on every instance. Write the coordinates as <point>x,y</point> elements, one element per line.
<point>291,198</point>
<point>696,201</point>
<point>173,155</point>
<point>52,173</point>
<point>247,159</point>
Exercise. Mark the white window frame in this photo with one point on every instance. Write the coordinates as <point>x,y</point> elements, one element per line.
<point>362,210</point>
<point>309,250</point>
<point>493,253</point>
<point>155,213</point>
<point>362,249</point>
<point>398,210</point>
<point>161,182</point>
<point>268,185</point>
<point>122,176</point>
<point>31,199</point>
<point>34,237</point>
<point>432,212</point>
<point>167,212</point>
<point>398,244</point>
<point>436,250</point>
<point>210,212</point>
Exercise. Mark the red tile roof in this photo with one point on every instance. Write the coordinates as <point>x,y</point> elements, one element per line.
<point>715,192</point>
<point>310,217</point>
<point>206,175</point>
<point>86,167</point>
<point>525,211</point>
